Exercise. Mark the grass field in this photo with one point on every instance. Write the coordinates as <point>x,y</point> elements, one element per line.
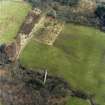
<point>76,101</point>
<point>78,56</point>
<point>12,14</point>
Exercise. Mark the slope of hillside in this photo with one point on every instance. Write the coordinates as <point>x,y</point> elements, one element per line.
<point>77,56</point>
<point>12,14</point>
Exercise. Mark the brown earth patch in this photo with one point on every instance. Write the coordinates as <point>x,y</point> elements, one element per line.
<point>29,22</point>
<point>2,72</point>
<point>50,31</point>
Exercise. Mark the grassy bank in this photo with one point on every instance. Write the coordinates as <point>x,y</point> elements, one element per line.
<point>77,101</point>
<point>78,55</point>
<point>12,14</point>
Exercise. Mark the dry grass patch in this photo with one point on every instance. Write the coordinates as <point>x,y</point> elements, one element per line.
<point>49,32</point>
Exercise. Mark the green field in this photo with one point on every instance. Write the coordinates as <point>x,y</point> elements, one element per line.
<point>12,14</point>
<point>76,101</point>
<point>78,55</point>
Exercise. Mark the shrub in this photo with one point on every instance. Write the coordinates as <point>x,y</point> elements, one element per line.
<point>100,12</point>
<point>67,2</point>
